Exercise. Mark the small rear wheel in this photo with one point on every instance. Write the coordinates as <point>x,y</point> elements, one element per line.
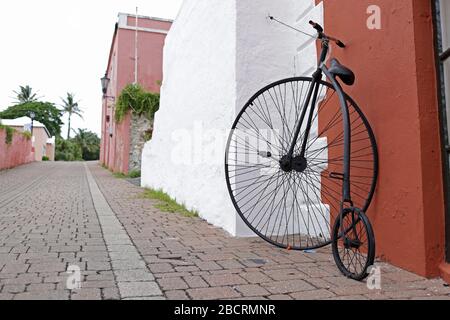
<point>353,244</point>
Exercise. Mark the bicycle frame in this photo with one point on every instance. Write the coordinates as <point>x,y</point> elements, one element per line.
<point>312,99</point>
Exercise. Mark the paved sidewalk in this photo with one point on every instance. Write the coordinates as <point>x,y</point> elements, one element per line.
<point>56,215</point>
<point>48,222</point>
<point>194,260</point>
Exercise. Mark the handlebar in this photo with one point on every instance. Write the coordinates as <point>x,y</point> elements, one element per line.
<point>322,35</point>
<point>316,26</point>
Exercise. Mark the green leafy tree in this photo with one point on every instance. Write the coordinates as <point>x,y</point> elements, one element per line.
<point>85,145</point>
<point>89,143</point>
<point>25,94</point>
<point>46,113</point>
<point>71,107</point>
<point>67,150</point>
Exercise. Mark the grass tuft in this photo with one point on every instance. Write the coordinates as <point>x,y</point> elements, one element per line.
<point>134,174</point>
<point>119,175</point>
<point>167,204</point>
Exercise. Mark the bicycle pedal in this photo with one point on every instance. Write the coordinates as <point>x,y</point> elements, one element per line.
<point>337,176</point>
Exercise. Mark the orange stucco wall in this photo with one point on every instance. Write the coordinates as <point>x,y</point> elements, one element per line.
<point>396,89</point>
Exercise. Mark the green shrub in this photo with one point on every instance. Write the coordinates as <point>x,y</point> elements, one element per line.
<point>45,158</point>
<point>89,143</point>
<point>67,150</point>
<point>137,100</point>
<point>135,174</point>
<point>27,135</point>
<point>84,146</point>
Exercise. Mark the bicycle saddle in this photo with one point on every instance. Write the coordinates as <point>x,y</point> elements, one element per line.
<point>345,74</point>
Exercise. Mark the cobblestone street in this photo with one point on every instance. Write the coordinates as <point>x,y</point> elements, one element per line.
<point>56,215</point>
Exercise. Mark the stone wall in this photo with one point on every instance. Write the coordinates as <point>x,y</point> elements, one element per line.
<point>140,131</point>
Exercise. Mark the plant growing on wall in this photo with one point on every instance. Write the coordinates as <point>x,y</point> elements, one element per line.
<point>137,100</point>
<point>27,135</point>
<point>148,135</point>
<point>9,133</point>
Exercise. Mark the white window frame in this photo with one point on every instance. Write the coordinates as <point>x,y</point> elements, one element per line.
<point>445,31</point>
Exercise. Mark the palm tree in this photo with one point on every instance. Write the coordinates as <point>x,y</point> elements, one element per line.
<point>25,94</point>
<point>88,142</point>
<point>70,106</point>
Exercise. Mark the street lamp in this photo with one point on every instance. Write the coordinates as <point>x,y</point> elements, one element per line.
<point>32,116</point>
<point>105,84</point>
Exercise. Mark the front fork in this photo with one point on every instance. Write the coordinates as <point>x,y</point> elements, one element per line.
<point>313,92</point>
<point>311,99</point>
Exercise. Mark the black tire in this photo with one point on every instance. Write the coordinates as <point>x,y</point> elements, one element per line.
<point>354,260</point>
<point>246,188</point>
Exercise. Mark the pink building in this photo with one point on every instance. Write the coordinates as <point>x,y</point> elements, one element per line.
<point>122,143</point>
<point>43,144</point>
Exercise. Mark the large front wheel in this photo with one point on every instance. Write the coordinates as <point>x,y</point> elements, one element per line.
<point>294,204</point>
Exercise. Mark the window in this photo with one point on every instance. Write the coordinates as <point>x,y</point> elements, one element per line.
<point>444,56</point>
<point>442,9</point>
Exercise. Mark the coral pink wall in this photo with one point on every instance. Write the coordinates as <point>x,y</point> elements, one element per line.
<point>115,150</point>
<point>396,89</point>
<point>16,153</point>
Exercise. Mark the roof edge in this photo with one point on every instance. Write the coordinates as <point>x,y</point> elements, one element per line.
<point>144,17</point>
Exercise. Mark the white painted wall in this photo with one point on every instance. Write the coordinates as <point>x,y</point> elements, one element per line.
<point>199,89</point>
<point>217,55</point>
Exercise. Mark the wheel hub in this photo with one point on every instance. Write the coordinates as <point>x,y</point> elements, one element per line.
<point>352,243</point>
<point>298,164</point>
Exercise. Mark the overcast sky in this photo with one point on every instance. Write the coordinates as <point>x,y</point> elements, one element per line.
<point>59,46</point>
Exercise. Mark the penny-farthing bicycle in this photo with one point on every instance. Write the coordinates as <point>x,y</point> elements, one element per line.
<point>301,165</point>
